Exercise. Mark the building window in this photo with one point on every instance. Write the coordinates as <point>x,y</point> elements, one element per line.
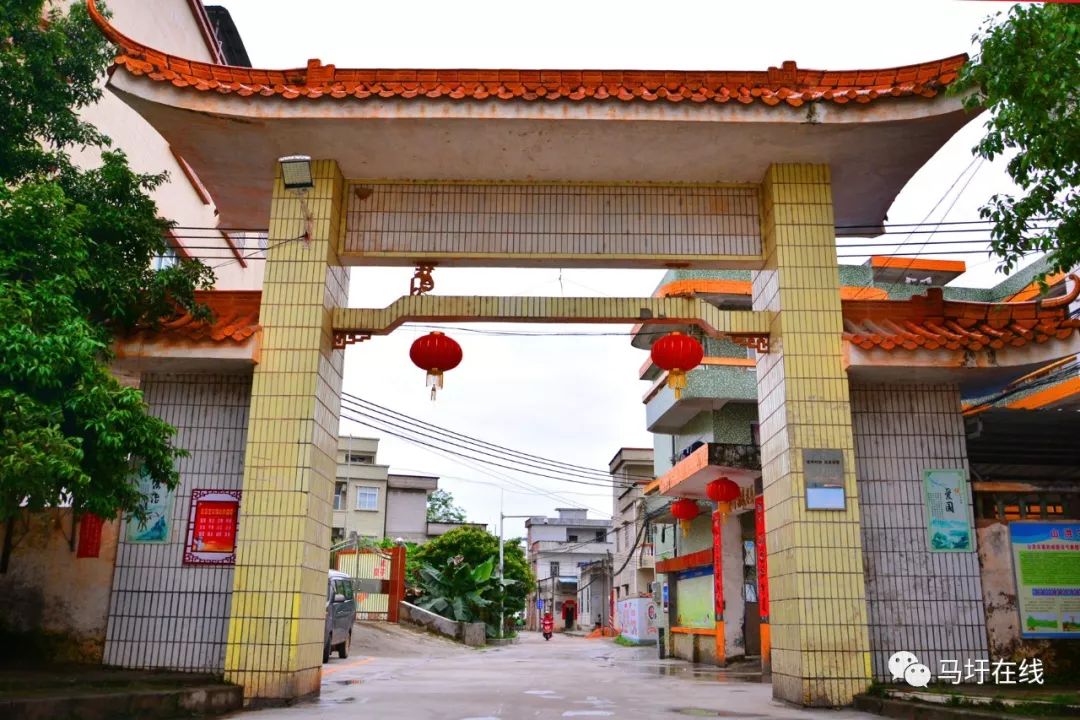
<point>337,535</point>
<point>358,459</point>
<point>367,498</point>
<point>571,538</point>
<point>1036,506</point>
<point>339,495</point>
<point>165,260</point>
<point>554,570</point>
<point>600,535</point>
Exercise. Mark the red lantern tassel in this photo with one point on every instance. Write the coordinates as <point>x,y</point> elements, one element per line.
<point>676,380</point>
<point>434,381</point>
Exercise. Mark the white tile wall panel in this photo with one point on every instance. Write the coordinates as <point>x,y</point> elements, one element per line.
<point>162,613</point>
<point>925,602</point>
<point>548,223</point>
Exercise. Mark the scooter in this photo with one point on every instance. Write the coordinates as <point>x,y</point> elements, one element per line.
<point>548,627</point>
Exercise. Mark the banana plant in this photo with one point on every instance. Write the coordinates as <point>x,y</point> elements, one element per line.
<point>461,592</point>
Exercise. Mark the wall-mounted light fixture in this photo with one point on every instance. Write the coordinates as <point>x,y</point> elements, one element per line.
<point>296,172</point>
<point>296,177</point>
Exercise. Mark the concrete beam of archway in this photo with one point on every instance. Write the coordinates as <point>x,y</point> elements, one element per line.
<point>744,326</point>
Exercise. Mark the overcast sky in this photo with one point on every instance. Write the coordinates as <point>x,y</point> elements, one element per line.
<point>575,398</point>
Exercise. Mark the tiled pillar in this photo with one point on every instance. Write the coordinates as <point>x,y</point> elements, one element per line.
<point>820,649</point>
<point>276,621</point>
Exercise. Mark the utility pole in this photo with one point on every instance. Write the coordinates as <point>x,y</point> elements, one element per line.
<point>502,556</point>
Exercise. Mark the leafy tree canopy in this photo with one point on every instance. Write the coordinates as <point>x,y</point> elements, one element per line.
<point>76,251</point>
<point>473,547</point>
<point>1026,74</point>
<point>441,508</point>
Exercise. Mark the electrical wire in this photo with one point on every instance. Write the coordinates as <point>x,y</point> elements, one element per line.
<point>368,420</point>
<point>424,426</point>
<point>930,212</point>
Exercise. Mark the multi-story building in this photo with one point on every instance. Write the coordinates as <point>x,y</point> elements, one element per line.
<point>712,431</point>
<point>557,549</point>
<point>633,559</point>
<point>371,502</point>
<point>360,491</point>
<point>406,506</point>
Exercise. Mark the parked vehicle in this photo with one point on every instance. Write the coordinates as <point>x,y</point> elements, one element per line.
<point>340,614</point>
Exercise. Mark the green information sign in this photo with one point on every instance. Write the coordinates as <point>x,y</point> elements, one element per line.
<point>948,519</point>
<point>1046,557</point>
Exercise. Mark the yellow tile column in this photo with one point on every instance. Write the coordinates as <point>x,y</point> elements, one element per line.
<point>276,619</point>
<point>820,645</point>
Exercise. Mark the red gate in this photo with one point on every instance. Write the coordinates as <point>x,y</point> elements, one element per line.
<point>378,578</point>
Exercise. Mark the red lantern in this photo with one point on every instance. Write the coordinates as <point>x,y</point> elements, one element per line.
<point>684,510</point>
<point>678,354</point>
<point>435,353</point>
<point>722,490</point>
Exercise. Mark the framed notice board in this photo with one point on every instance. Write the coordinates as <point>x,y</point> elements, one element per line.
<point>212,523</point>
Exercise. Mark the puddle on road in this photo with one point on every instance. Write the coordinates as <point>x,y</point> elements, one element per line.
<point>690,672</point>
<point>709,713</point>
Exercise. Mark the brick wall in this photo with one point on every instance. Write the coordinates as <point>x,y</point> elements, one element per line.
<point>928,603</point>
<point>164,614</point>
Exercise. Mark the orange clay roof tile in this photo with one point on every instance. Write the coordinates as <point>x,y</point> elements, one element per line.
<point>930,322</point>
<point>235,319</point>
<point>787,84</point>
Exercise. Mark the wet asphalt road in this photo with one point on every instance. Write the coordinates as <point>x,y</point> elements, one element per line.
<point>396,674</point>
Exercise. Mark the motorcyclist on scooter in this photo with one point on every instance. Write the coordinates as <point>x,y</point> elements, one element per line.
<point>547,626</point>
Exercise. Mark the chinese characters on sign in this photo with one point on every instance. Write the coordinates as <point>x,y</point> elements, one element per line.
<point>998,672</point>
<point>158,522</point>
<point>948,525</point>
<point>1046,559</point>
<point>211,538</point>
<point>905,666</point>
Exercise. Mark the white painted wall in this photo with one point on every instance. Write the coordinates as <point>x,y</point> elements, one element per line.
<point>166,25</point>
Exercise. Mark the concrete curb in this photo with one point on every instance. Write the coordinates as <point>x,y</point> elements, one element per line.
<point>197,700</point>
<point>915,710</point>
<point>499,642</point>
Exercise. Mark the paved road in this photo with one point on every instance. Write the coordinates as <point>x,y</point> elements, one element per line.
<point>395,674</point>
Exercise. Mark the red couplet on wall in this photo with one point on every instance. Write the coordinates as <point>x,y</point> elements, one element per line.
<point>762,557</point>
<point>718,566</point>
<point>89,536</point>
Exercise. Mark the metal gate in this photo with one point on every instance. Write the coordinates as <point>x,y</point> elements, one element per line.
<point>378,577</point>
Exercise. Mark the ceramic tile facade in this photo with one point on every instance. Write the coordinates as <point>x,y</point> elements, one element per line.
<point>543,222</point>
<point>820,646</point>
<point>279,594</point>
<point>929,603</point>
<point>163,614</point>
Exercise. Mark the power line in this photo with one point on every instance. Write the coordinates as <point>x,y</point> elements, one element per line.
<point>557,465</point>
<point>368,420</point>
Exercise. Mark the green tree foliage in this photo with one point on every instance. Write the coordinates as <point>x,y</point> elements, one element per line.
<point>1026,74</point>
<point>76,250</point>
<point>441,508</point>
<point>474,547</point>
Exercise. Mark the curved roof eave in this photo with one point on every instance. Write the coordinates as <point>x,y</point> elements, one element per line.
<point>875,128</point>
